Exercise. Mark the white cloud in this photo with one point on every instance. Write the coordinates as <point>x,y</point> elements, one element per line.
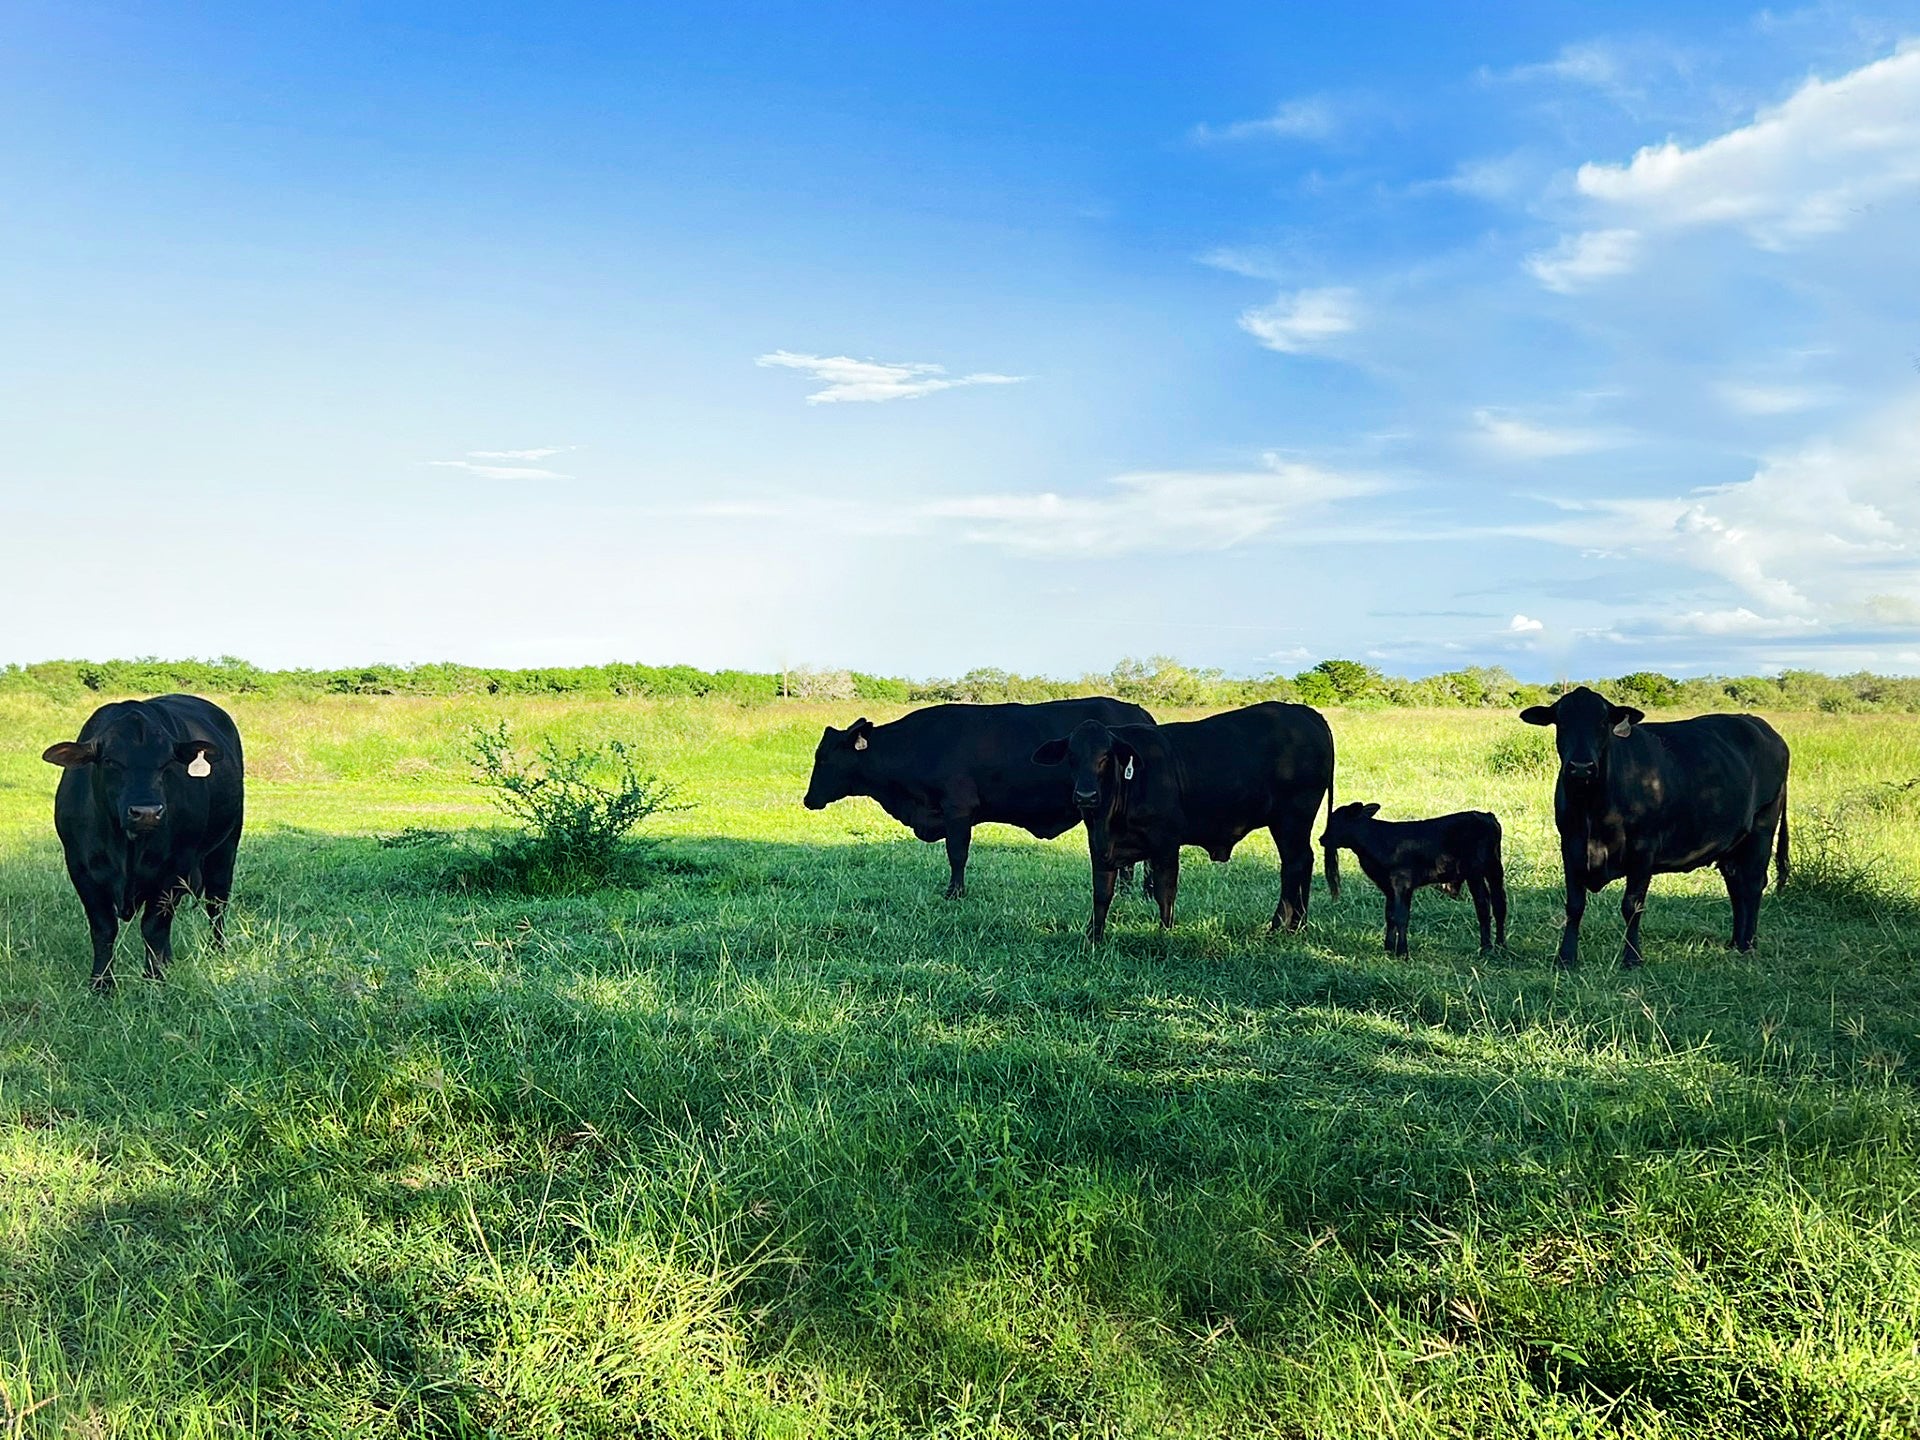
<point>1303,322</point>
<point>1252,264</point>
<point>520,454</point>
<point>1742,621</point>
<point>1311,118</point>
<point>1806,167</point>
<point>1159,510</point>
<point>1829,533</point>
<point>1165,511</point>
<point>1578,260</point>
<point>1523,440</point>
<point>1525,625</point>
<point>1751,398</point>
<point>847,379</point>
<point>499,472</point>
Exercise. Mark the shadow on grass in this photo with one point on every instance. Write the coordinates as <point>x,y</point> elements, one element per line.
<point>915,1134</point>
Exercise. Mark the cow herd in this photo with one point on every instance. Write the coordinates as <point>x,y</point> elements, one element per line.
<point>150,805</point>
<point>1633,799</point>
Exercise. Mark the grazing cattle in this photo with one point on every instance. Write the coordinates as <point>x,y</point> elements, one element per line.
<point>149,811</point>
<point>1402,856</point>
<point>945,769</point>
<point>1146,790</point>
<point>1637,800</point>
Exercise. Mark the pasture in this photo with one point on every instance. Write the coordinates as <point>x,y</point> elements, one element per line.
<point>783,1143</point>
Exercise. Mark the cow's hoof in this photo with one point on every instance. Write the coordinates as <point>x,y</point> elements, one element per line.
<point>956,892</point>
<point>1566,962</point>
<point>101,984</point>
<point>1631,962</point>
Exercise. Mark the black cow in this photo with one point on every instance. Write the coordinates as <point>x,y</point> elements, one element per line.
<point>149,810</point>
<point>1402,856</point>
<point>1146,790</point>
<point>945,769</point>
<point>1638,800</point>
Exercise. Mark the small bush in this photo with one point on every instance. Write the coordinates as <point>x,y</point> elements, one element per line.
<point>580,808</point>
<point>1527,750</point>
<point>1830,868</point>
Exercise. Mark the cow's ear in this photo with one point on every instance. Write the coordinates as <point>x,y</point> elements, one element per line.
<point>69,753</point>
<point>1624,718</point>
<point>1051,753</point>
<point>860,730</point>
<point>1370,809</point>
<point>1538,715</point>
<point>198,756</point>
<point>1126,759</point>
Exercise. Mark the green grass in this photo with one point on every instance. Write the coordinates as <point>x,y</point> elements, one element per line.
<point>783,1143</point>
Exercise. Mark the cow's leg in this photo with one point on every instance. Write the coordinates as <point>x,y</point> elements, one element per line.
<point>1745,871</point>
<point>1104,877</point>
<point>104,926</point>
<point>1576,905</point>
<point>1296,874</point>
<point>1164,871</point>
<point>1633,905</point>
<point>216,873</point>
<point>156,929</point>
<point>959,839</point>
<point>1400,915</point>
<point>1483,908</point>
<point>1497,885</point>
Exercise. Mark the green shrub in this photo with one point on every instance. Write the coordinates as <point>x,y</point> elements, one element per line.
<point>579,808</point>
<point>1526,750</point>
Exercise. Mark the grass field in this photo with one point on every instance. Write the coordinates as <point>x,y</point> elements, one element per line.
<point>783,1143</point>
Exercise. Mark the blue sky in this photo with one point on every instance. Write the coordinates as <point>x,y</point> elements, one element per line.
<point>1575,338</point>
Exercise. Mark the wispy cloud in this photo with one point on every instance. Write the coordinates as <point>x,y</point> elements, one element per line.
<point>1308,118</point>
<point>846,379</point>
<point>1751,398</point>
<point>1251,264</point>
<point>1524,440</point>
<point>1159,510</point>
<point>1305,321</point>
<point>1153,511</point>
<point>473,464</point>
<point>1525,625</point>
<point>1579,260</point>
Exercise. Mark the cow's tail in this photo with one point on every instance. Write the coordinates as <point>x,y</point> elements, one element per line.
<point>1332,854</point>
<point>1781,866</point>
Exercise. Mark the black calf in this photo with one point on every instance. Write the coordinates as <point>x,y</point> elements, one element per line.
<point>1401,856</point>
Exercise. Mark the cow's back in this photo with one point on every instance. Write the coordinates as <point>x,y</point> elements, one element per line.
<point>1260,765</point>
<point>1681,793</point>
<point>978,758</point>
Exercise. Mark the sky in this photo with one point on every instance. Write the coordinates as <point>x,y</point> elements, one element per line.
<point>1578,339</point>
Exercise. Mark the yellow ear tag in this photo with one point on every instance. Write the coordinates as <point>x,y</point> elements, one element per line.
<point>198,767</point>
<point>1129,769</point>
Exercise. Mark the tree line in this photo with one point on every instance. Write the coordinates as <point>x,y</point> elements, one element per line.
<point>1157,681</point>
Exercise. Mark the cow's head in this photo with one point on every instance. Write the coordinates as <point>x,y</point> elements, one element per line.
<point>1099,760</point>
<point>839,764</point>
<point>1347,826</point>
<point>131,763</point>
<point>1585,724</point>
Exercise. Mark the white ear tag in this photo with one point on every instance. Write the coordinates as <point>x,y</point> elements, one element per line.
<point>1129,774</point>
<point>198,766</point>
<point>860,743</point>
<point>1623,729</point>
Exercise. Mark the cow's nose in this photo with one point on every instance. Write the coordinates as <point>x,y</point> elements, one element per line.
<point>1581,769</point>
<point>1086,799</point>
<point>145,817</point>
